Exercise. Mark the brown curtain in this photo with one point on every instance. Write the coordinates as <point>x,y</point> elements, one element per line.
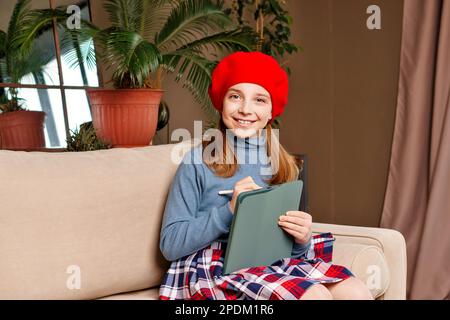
<point>417,201</point>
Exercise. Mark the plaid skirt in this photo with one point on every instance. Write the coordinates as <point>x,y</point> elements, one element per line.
<point>199,276</point>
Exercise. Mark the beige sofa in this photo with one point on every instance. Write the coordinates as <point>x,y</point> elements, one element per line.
<point>86,226</point>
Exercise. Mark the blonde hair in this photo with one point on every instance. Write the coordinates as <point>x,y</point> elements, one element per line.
<point>286,166</point>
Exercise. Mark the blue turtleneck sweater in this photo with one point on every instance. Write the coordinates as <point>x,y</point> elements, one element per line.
<point>195,214</point>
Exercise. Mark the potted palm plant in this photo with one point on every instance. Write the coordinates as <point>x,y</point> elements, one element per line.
<point>146,40</point>
<point>21,128</point>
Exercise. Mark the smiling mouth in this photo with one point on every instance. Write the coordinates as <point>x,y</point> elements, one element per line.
<point>244,123</point>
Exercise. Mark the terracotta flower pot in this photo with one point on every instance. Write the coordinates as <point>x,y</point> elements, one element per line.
<point>22,129</point>
<point>125,117</point>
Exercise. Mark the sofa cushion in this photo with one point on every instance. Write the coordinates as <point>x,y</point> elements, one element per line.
<point>82,225</point>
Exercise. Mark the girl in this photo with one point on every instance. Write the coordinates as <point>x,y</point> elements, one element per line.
<point>249,89</point>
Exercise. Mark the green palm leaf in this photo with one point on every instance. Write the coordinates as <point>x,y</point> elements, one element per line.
<point>35,63</point>
<point>131,15</point>
<point>32,25</point>
<point>81,52</point>
<point>124,14</point>
<point>154,16</point>
<point>188,20</point>
<point>20,12</point>
<point>234,40</point>
<point>78,45</point>
<point>131,56</point>
<point>3,37</point>
<point>195,74</point>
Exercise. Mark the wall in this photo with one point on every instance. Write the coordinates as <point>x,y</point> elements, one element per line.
<point>342,110</point>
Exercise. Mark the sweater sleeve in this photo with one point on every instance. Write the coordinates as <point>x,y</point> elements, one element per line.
<point>185,230</point>
<point>300,251</point>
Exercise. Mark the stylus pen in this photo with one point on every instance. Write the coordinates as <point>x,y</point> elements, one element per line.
<point>226,191</point>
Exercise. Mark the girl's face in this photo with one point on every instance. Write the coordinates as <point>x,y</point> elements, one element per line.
<point>247,107</point>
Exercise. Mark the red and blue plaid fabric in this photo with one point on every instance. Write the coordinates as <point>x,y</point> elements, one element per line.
<point>199,276</point>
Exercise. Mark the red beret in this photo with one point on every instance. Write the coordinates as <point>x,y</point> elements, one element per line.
<point>251,67</point>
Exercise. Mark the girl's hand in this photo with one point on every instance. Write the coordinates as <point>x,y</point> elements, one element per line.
<point>245,184</point>
<point>298,224</point>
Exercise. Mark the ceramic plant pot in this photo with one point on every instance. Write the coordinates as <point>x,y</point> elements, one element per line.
<point>125,117</point>
<point>22,129</point>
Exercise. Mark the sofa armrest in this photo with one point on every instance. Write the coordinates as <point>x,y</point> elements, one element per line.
<point>361,248</point>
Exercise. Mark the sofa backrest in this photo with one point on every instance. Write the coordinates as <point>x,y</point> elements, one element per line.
<point>82,225</point>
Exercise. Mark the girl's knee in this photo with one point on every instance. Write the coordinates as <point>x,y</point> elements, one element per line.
<point>317,292</point>
<point>361,292</point>
<point>351,289</point>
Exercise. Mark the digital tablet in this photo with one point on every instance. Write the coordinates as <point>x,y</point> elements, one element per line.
<point>255,238</point>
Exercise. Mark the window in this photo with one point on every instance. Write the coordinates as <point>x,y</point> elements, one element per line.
<point>58,88</point>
